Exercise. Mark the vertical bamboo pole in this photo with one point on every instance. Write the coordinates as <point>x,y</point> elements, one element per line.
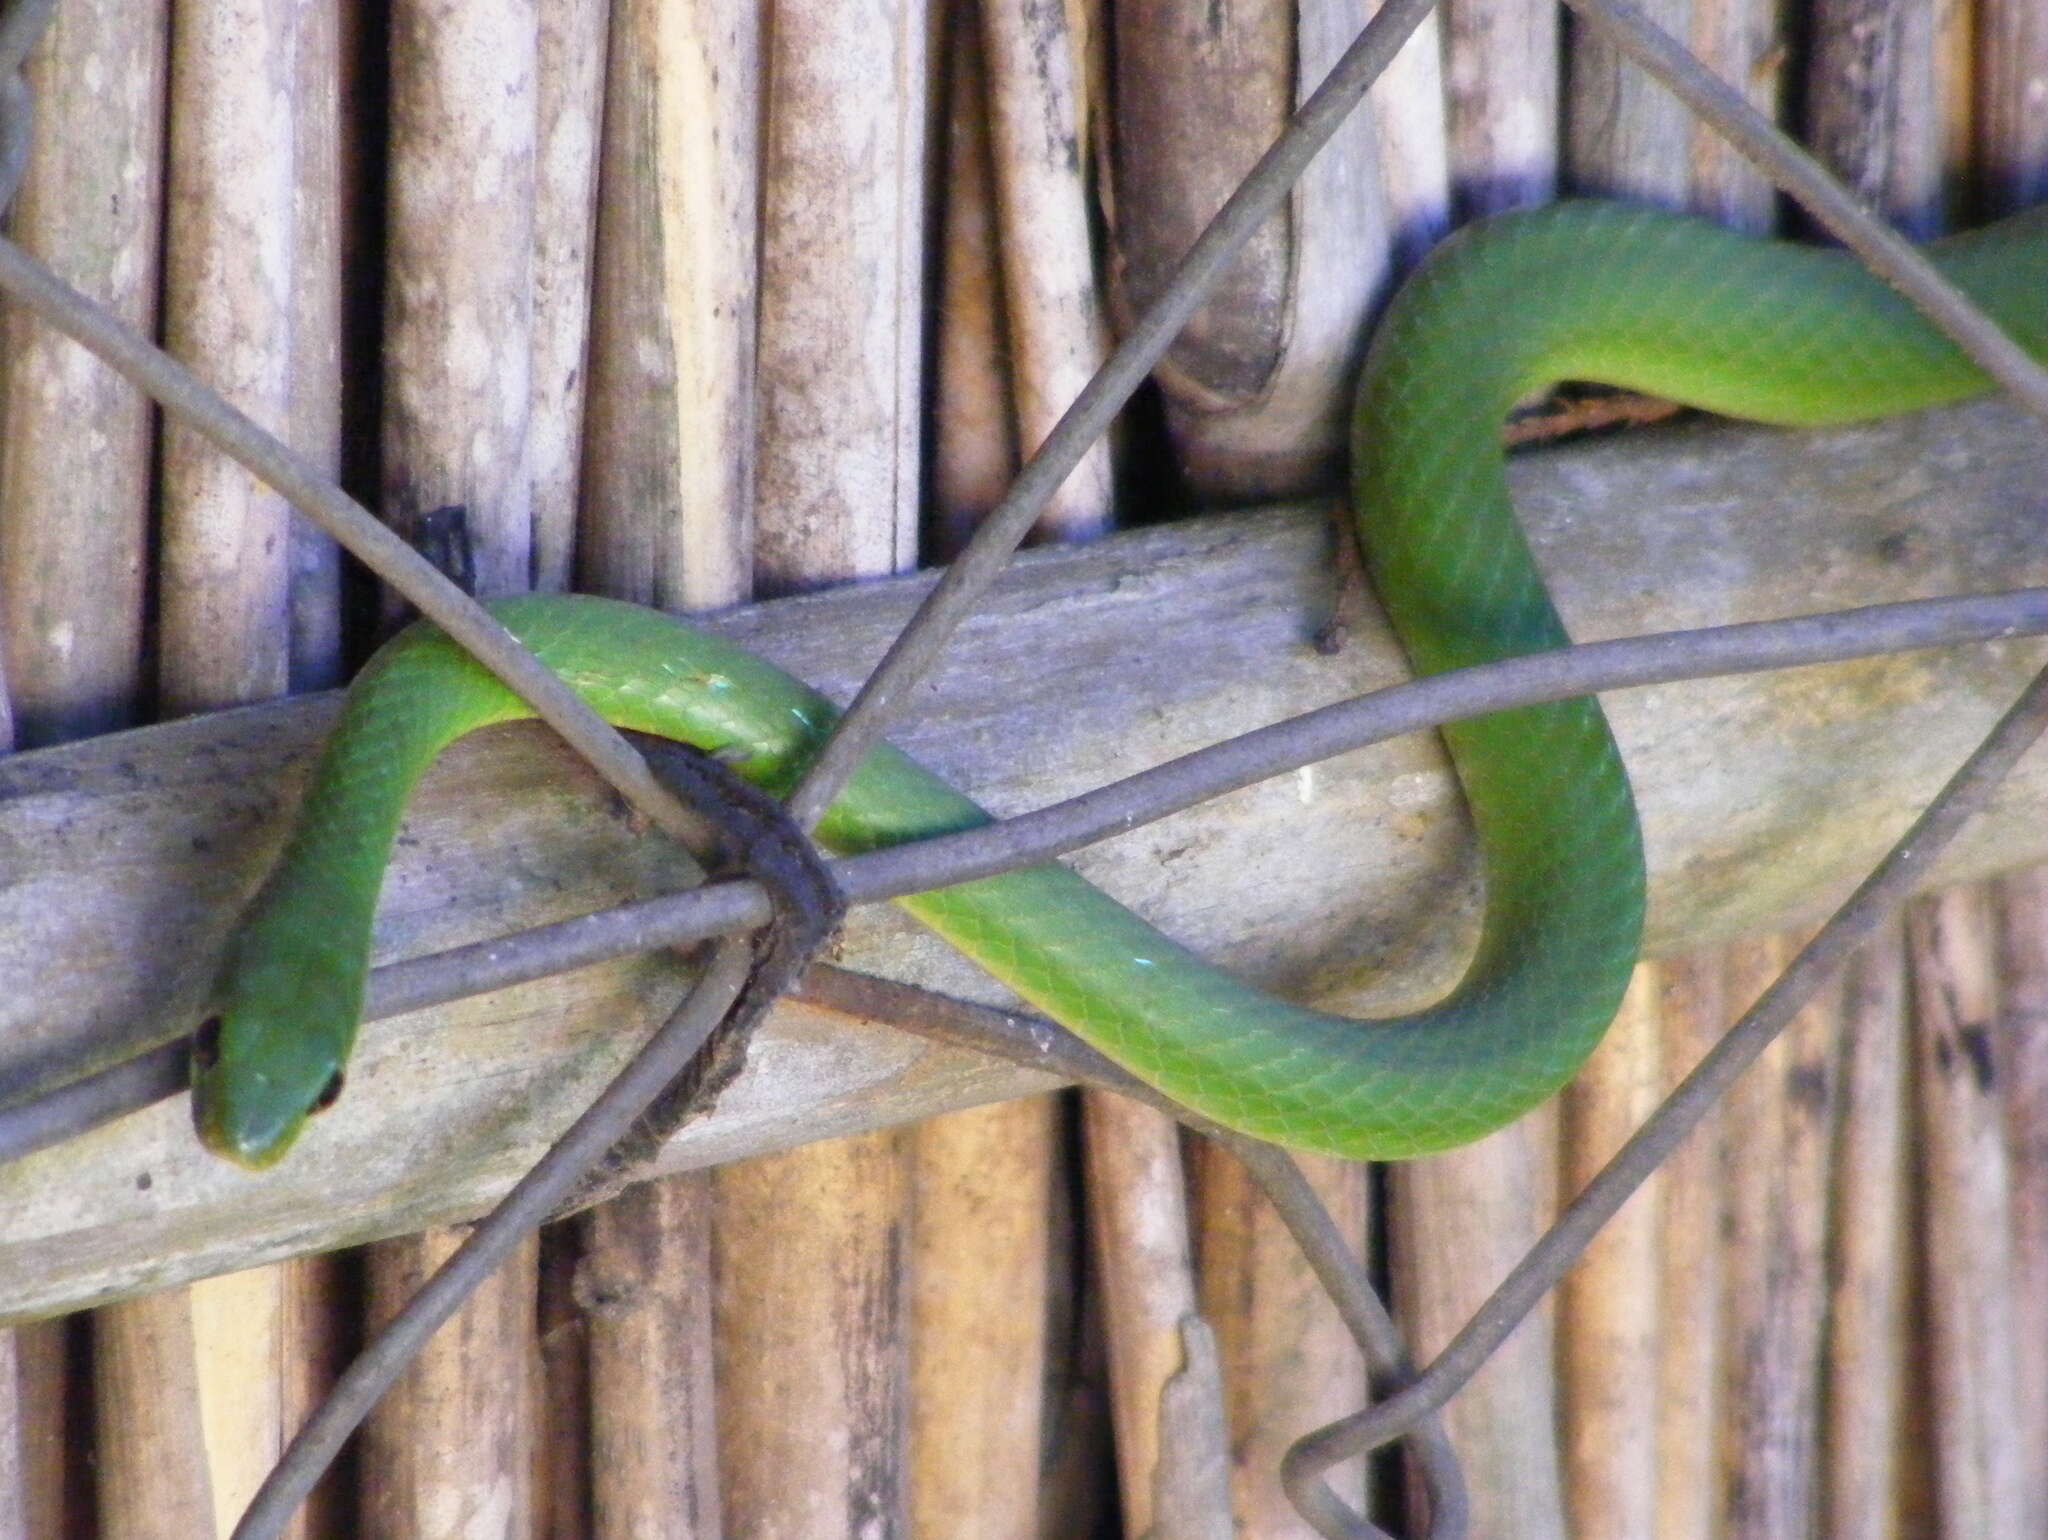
<point>645,1286</point>
<point>811,1244</point>
<point>2011,111</point>
<point>1966,1217</point>
<point>74,489</point>
<point>1058,333</point>
<point>979,1275</point>
<point>1460,1220</point>
<point>459,289</point>
<point>2023,962</point>
<point>974,426</point>
<point>569,60</point>
<point>1869,1332</point>
<point>668,519</point>
<point>39,1446</point>
<point>75,462</point>
<point>1608,1327</point>
<point>1289,1365</point>
<point>981,1179</point>
<point>1501,82</point>
<point>1689,1372</point>
<point>1626,136</point>
<point>1875,112</point>
<point>1778,1122</point>
<point>1408,109</point>
<point>450,1449</point>
<point>1741,41</point>
<point>225,584</point>
<point>2012,107</point>
<point>1457,1223</point>
<point>1172,1454</point>
<point>668,475</point>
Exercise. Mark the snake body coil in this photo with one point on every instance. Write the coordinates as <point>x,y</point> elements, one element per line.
<point>1755,329</point>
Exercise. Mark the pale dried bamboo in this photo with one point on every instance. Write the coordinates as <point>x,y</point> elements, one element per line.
<point>974,427</point>
<point>569,59</point>
<point>1777,1124</point>
<point>668,477</point>
<point>1625,135</point>
<point>450,1449</point>
<point>1166,1405</point>
<point>1740,40</point>
<point>39,1441</point>
<point>1966,1217</point>
<point>1057,331</point>
<point>981,1179</point>
<point>1869,1331</point>
<point>1608,1325</point>
<point>2012,106</point>
<point>458,294</point>
<point>74,481</point>
<point>1689,1374</point>
<point>456,404</point>
<point>644,1284</point>
<point>1501,90</point>
<point>979,1278</point>
<point>75,457</point>
<point>2023,977</point>
<point>1289,1365</point>
<point>1458,1222</point>
<point>668,519</point>
<point>811,1244</point>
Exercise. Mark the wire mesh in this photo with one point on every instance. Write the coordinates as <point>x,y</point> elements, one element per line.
<point>1410,1397</point>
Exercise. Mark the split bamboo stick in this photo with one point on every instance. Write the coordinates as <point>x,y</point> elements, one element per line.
<point>2023,968</point>
<point>1289,1364</point>
<point>644,1284</point>
<point>1460,1220</point>
<point>1457,1223</point>
<point>979,1271</point>
<point>449,1451</point>
<point>1870,1333</point>
<point>453,1441</point>
<point>74,488</point>
<point>1742,42</point>
<point>1966,1217</point>
<point>569,65</point>
<point>40,1440</point>
<point>1501,91</point>
<point>1689,1375</point>
<point>1166,1402</point>
<point>1609,1327</point>
<point>1876,114</point>
<point>981,1180</point>
<point>812,1365</point>
<point>668,519</point>
<point>668,478</point>
<point>1779,1123</point>
<point>1058,335</point>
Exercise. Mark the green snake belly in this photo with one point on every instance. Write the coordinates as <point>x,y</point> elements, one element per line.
<point>1762,330</point>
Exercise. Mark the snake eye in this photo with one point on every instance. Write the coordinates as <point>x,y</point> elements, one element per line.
<point>330,1093</point>
<point>206,1044</point>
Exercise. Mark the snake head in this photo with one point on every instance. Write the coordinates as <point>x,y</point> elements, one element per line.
<point>268,1055</point>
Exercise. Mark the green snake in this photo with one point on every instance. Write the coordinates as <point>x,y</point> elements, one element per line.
<point>1589,291</point>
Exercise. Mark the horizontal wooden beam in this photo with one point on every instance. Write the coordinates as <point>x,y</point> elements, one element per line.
<point>1348,883</point>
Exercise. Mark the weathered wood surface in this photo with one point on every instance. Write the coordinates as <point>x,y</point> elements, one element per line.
<point>1763,799</point>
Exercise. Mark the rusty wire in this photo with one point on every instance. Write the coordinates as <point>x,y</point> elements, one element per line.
<point>1410,1411</point>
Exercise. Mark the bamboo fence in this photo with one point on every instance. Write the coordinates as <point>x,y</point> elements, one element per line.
<point>695,303</point>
